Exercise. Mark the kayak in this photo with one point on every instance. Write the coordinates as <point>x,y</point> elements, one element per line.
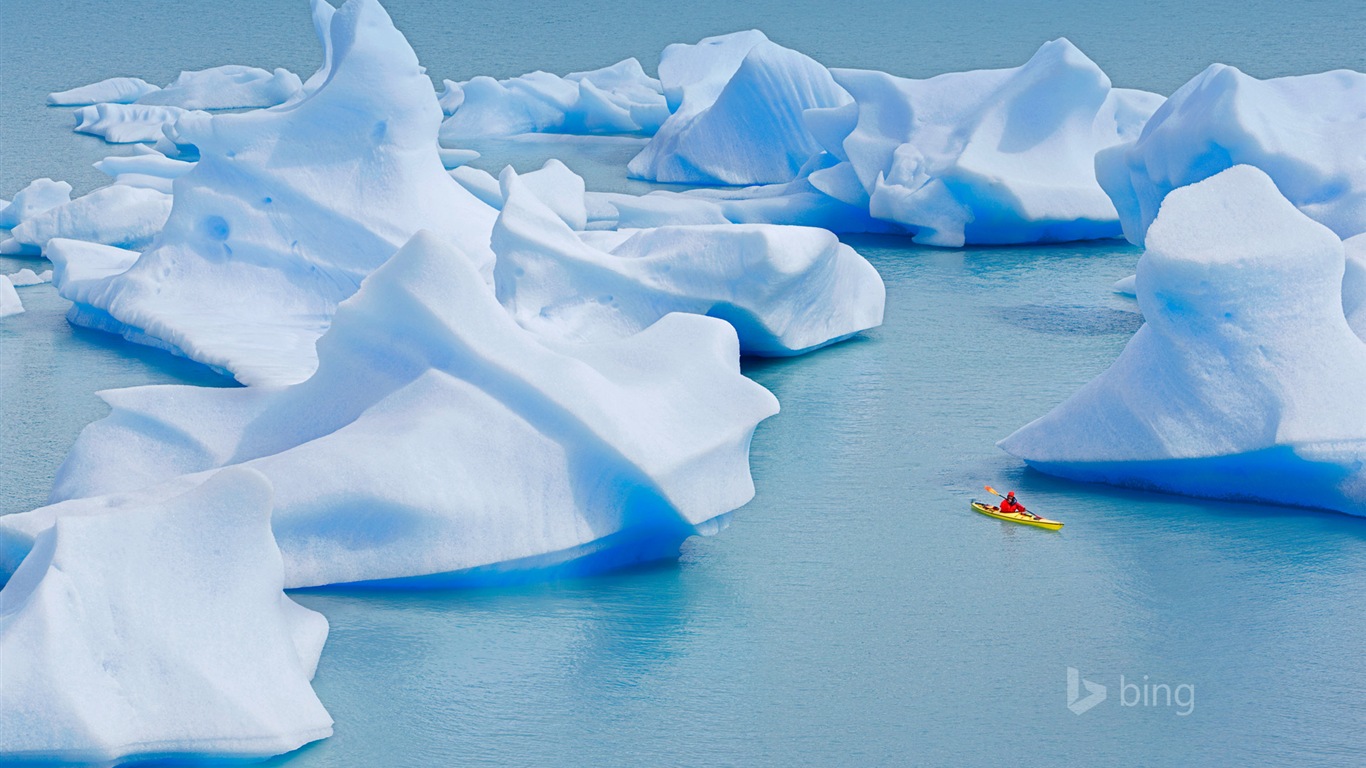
<point>1015,517</point>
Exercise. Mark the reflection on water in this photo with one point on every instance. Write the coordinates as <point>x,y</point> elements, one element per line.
<point>1072,320</point>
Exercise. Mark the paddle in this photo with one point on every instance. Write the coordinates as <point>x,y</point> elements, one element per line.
<point>995,492</point>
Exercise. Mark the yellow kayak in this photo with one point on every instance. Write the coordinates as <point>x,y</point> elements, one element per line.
<point>1016,517</point>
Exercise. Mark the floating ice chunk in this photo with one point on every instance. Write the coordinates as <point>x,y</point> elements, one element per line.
<point>451,97</point>
<point>1354,284</point>
<point>454,158</point>
<point>480,183</point>
<point>149,163</point>
<point>992,156</point>
<point>26,277</point>
<point>272,229</point>
<point>40,195</point>
<point>432,409</point>
<point>615,100</point>
<point>230,86</point>
<point>1245,382</point>
<point>1126,286</point>
<point>557,188</point>
<point>9,298</point>
<point>121,215</point>
<point>1305,132</point>
<point>620,99</point>
<point>531,103</point>
<point>787,290</point>
<point>126,123</point>
<point>749,130</point>
<point>115,90</point>
<point>159,631</point>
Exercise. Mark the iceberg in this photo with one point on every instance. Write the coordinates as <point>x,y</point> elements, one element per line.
<point>620,99</point>
<point>1126,286</point>
<point>126,123</point>
<point>120,215</point>
<point>439,443</point>
<point>145,162</point>
<point>738,101</point>
<point>26,277</point>
<point>1305,132</point>
<point>288,209</point>
<point>114,90</point>
<point>9,298</point>
<point>984,157</point>
<point>1245,382</point>
<point>40,195</point>
<point>786,290</point>
<point>159,632</point>
<point>231,86</point>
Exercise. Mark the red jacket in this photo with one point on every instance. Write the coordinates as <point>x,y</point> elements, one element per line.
<point>1010,505</point>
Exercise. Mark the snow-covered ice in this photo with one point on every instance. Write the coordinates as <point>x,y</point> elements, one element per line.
<point>40,195</point>
<point>158,631</point>
<point>1305,132</point>
<point>786,290</point>
<point>620,99</point>
<point>230,86</point>
<point>270,230</point>
<point>440,439</point>
<point>126,123</point>
<point>989,156</point>
<point>1354,284</point>
<point>121,215</point>
<point>1126,286</point>
<point>9,298</point>
<point>738,101</point>
<point>113,90</point>
<point>26,277</point>
<point>1245,382</point>
<point>145,162</point>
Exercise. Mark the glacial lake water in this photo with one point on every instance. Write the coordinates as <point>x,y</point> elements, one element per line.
<point>855,613</point>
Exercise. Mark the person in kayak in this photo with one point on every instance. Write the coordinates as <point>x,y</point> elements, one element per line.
<point>1010,506</point>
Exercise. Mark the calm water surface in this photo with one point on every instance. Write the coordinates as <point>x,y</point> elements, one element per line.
<point>855,613</point>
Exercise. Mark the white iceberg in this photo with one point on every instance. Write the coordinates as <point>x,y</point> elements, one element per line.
<point>159,632</point>
<point>738,114</point>
<point>231,86</point>
<point>119,215</point>
<point>145,162</point>
<point>40,195</point>
<point>114,90</point>
<point>786,290</point>
<point>26,277</point>
<point>9,298</point>
<point>986,157</point>
<point>440,443</point>
<point>126,123</point>
<point>288,209</point>
<point>620,99</point>
<point>1305,132</point>
<point>1245,382</point>
<point>1126,286</point>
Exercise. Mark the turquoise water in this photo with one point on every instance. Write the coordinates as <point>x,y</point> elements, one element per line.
<point>855,613</point>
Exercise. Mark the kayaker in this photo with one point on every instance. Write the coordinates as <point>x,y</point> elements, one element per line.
<point>1009,505</point>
